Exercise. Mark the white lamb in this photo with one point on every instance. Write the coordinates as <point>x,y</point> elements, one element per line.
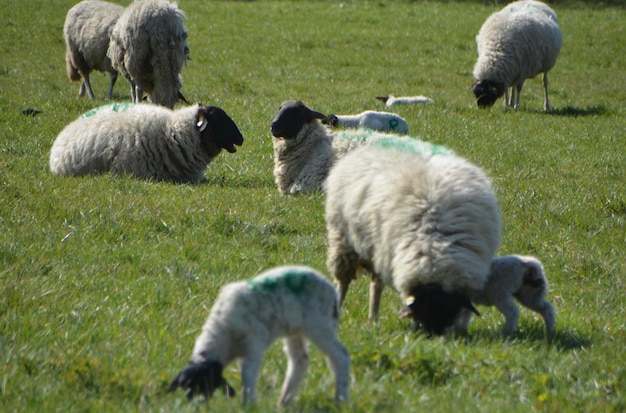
<point>293,302</point>
<point>427,227</point>
<point>515,277</point>
<point>514,44</point>
<point>87,31</point>
<point>304,149</point>
<point>149,46</point>
<point>145,141</point>
<point>391,100</point>
<point>379,121</point>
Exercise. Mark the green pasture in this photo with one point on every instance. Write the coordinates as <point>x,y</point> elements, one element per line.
<point>105,281</point>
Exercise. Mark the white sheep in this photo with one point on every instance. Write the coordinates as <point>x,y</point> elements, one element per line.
<point>304,149</point>
<point>149,46</point>
<point>293,302</point>
<point>87,31</point>
<point>514,277</point>
<point>426,226</point>
<point>379,121</point>
<point>145,141</point>
<point>514,44</point>
<point>391,100</point>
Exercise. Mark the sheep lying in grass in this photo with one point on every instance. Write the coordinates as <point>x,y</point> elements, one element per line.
<point>514,44</point>
<point>293,302</point>
<point>87,31</point>
<point>426,226</point>
<point>149,46</point>
<point>304,149</point>
<point>515,277</point>
<point>379,121</point>
<point>391,100</point>
<point>145,141</point>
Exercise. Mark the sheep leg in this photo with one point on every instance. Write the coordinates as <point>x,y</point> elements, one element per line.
<point>506,305</point>
<point>546,310</point>
<point>376,290</point>
<point>463,320</point>
<point>87,84</point>
<point>81,90</point>
<point>297,365</point>
<point>113,79</point>
<point>250,367</point>
<point>337,357</point>
<point>518,93</point>
<point>546,104</point>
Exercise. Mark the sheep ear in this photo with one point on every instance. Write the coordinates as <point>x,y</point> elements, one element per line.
<point>468,305</point>
<point>406,309</point>
<point>201,120</point>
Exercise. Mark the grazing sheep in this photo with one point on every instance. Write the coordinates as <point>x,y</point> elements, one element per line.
<point>514,44</point>
<point>304,149</point>
<point>428,227</point>
<point>293,302</point>
<point>518,277</point>
<point>149,46</point>
<point>145,141</point>
<point>87,31</point>
<point>379,121</point>
<point>391,100</point>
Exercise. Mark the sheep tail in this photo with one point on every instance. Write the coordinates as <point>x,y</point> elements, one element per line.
<point>72,72</point>
<point>533,276</point>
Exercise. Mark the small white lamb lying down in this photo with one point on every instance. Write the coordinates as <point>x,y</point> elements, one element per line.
<point>519,277</point>
<point>292,302</point>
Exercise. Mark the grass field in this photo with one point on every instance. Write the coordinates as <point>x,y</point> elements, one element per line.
<point>105,282</point>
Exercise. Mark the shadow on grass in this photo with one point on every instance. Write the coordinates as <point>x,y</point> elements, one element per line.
<point>571,111</point>
<point>563,340</point>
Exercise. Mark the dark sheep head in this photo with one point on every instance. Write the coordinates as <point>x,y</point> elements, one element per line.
<point>217,129</point>
<point>487,92</point>
<point>292,116</point>
<point>434,308</point>
<point>331,120</point>
<point>201,379</point>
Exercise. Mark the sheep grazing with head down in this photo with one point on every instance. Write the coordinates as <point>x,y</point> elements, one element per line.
<point>426,226</point>
<point>87,31</point>
<point>293,302</point>
<point>145,141</point>
<point>514,44</point>
<point>379,121</point>
<point>304,149</point>
<point>515,277</point>
<point>149,46</point>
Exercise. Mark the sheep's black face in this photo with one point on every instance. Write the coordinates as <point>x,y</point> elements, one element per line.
<point>218,129</point>
<point>201,379</point>
<point>291,117</point>
<point>331,120</point>
<point>434,308</point>
<point>487,92</point>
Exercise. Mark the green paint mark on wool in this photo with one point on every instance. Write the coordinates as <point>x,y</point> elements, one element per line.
<point>114,107</point>
<point>294,281</point>
<point>414,146</point>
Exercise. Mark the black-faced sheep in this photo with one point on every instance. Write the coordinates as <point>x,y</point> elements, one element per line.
<point>304,149</point>
<point>426,226</point>
<point>87,31</point>
<point>149,46</point>
<point>514,44</point>
<point>145,141</point>
<point>291,302</point>
<point>515,277</point>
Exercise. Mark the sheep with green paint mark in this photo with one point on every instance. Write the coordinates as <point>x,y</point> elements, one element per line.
<point>304,149</point>
<point>295,303</point>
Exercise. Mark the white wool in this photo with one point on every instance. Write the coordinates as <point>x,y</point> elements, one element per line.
<point>410,220</point>
<point>289,302</point>
<point>517,43</point>
<point>149,46</point>
<point>87,30</point>
<point>515,277</point>
<point>144,141</point>
<point>391,100</point>
<point>302,164</point>
<point>378,121</point>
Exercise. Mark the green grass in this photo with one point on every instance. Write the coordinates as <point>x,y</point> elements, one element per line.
<point>105,281</point>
